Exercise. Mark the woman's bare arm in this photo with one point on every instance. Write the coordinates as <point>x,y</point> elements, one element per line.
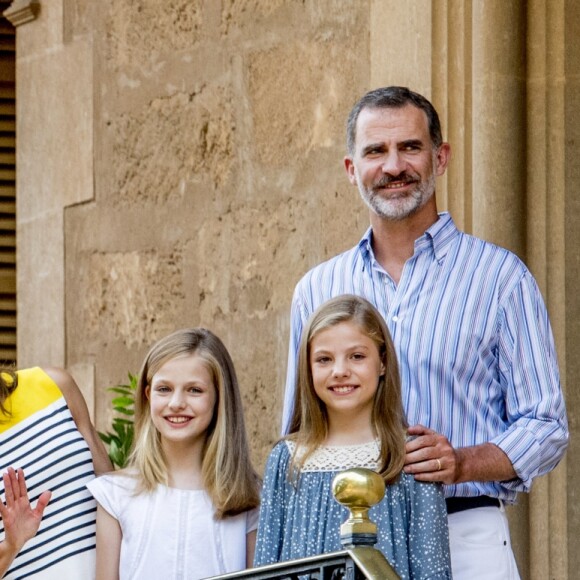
<point>78,408</point>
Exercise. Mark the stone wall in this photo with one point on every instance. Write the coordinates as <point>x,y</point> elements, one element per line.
<point>180,163</point>
<point>218,180</point>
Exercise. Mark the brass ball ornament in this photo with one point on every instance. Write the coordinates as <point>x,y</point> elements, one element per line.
<point>358,489</point>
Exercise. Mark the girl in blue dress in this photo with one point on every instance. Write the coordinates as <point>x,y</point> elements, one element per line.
<point>349,413</point>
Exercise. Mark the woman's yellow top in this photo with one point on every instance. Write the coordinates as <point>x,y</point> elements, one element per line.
<point>40,392</point>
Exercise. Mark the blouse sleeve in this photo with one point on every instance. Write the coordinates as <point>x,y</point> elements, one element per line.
<point>252,520</point>
<point>273,507</point>
<point>111,493</point>
<point>428,532</point>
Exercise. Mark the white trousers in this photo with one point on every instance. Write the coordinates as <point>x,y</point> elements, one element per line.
<point>479,540</point>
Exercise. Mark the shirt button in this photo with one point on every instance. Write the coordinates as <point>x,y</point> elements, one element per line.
<point>395,318</point>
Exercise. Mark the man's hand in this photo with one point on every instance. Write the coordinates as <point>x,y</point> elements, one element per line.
<point>430,456</point>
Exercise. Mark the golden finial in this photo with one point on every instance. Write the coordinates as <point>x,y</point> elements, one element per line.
<point>358,489</point>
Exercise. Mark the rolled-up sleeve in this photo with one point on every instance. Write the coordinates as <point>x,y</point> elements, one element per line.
<point>537,436</point>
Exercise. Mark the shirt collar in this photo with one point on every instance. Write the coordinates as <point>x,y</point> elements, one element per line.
<point>439,236</point>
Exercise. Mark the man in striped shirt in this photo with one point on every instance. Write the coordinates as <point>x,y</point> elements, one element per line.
<point>478,365</point>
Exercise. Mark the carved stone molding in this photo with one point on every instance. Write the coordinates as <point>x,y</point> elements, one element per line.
<point>22,11</point>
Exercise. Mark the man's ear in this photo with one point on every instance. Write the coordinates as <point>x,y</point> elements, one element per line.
<point>442,158</point>
<point>350,170</point>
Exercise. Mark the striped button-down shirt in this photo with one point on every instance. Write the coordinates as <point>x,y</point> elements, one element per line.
<point>474,342</point>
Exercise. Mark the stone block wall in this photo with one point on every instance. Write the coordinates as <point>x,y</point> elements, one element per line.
<point>219,138</point>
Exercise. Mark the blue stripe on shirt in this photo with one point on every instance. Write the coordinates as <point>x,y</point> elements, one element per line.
<point>55,414</point>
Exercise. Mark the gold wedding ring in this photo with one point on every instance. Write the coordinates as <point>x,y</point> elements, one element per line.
<point>438,465</point>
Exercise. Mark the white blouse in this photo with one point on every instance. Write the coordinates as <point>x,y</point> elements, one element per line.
<point>171,533</point>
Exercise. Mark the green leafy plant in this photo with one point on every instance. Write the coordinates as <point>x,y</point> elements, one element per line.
<point>120,439</point>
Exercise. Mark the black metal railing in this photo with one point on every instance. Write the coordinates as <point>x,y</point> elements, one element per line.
<point>358,563</point>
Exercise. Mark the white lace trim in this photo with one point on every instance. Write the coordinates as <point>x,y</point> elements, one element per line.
<point>338,458</point>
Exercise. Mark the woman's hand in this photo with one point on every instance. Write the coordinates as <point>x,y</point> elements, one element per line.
<point>21,522</point>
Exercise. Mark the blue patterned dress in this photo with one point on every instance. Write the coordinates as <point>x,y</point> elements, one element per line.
<point>305,521</point>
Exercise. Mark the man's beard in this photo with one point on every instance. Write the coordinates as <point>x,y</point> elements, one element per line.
<point>397,208</point>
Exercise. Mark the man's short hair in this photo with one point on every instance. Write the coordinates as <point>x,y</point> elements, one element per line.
<point>392,98</point>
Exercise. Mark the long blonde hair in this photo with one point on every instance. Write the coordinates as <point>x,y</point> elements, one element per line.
<point>227,472</point>
<point>309,425</point>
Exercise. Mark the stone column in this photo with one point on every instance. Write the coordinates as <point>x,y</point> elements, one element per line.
<point>498,123</point>
<point>546,192</point>
<point>54,169</point>
<point>452,96</point>
<point>568,36</point>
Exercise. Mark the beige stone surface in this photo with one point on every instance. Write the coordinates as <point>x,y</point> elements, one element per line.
<point>570,305</point>
<point>155,159</point>
<point>126,294</point>
<point>84,376</point>
<point>55,165</point>
<point>141,33</point>
<point>546,244</point>
<point>78,19</point>
<point>239,14</point>
<point>401,44</point>
<point>207,147</point>
<point>55,169</point>
<point>499,181</point>
<point>452,68</point>
<point>180,164</point>
<point>317,74</point>
<point>43,35</point>
<point>40,288</point>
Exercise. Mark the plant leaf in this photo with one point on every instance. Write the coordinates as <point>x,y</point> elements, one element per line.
<point>123,410</point>
<point>123,401</point>
<point>122,390</point>
<point>119,441</point>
